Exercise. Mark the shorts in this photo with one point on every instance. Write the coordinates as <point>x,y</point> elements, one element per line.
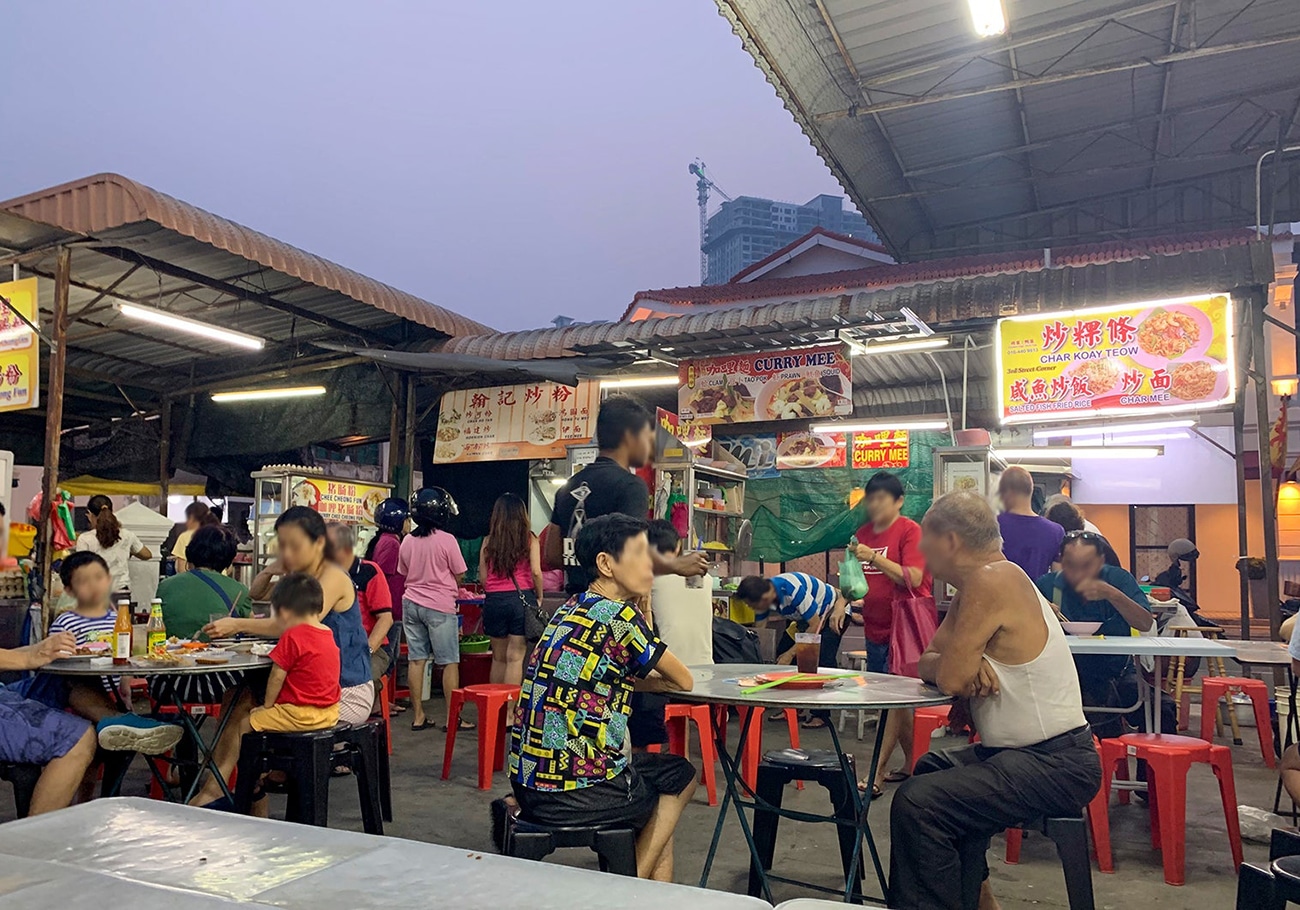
<point>283,718</point>
<point>628,799</point>
<point>877,657</point>
<point>35,734</point>
<point>647,726</point>
<point>431,633</point>
<point>503,613</point>
<point>203,688</point>
<point>356,703</point>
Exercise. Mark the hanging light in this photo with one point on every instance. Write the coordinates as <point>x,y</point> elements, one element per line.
<point>190,326</point>
<point>873,425</point>
<point>1067,452</point>
<point>987,17</point>
<point>302,391</point>
<point>639,382</point>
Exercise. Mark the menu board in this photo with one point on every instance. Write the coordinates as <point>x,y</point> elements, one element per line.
<point>810,450</point>
<point>1137,358</point>
<point>19,353</point>
<point>533,420</point>
<point>881,450</point>
<point>339,500</point>
<point>803,384</point>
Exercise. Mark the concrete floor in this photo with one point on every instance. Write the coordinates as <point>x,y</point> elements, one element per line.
<point>454,812</point>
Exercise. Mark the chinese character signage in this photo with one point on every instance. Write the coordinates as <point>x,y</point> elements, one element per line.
<point>810,450</point>
<point>1139,358</point>
<point>340,500</point>
<point>533,420</point>
<point>692,435</point>
<point>881,450</point>
<point>19,350</point>
<point>778,385</point>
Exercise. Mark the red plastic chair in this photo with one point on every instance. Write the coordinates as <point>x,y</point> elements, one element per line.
<point>400,691</point>
<point>385,710</point>
<point>679,716</point>
<point>1098,812</point>
<point>927,721</point>
<point>1214,688</point>
<point>1168,759</point>
<point>492,701</point>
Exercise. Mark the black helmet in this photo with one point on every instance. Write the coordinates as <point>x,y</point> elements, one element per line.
<point>391,515</point>
<point>433,507</point>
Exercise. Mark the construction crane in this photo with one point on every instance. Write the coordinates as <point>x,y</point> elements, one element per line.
<point>702,185</point>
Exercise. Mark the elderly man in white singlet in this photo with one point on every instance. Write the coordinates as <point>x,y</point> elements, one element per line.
<point>1001,650</point>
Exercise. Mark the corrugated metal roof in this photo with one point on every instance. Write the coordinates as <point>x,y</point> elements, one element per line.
<point>99,204</point>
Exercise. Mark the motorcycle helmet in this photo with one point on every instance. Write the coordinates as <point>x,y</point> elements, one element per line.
<point>433,507</point>
<point>1183,550</point>
<point>391,515</point>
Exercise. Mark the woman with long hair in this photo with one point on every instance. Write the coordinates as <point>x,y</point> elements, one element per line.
<point>197,515</point>
<point>113,542</point>
<point>510,567</point>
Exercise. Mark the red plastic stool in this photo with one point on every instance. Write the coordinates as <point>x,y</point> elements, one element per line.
<point>926,722</point>
<point>679,716</point>
<point>400,691</point>
<point>1214,688</point>
<point>1098,814</point>
<point>384,710</point>
<point>1168,759</point>
<point>492,701</point>
<point>753,753</point>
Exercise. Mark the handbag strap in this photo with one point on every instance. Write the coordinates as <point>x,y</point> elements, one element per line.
<point>221,592</point>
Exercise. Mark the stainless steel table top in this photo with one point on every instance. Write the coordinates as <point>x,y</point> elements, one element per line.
<point>81,667</point>
<point>716,684</point>
<point>1148,646</point>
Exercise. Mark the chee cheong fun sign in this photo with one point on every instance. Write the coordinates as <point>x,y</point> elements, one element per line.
<point>1138,358</point>
<point>775,385</point>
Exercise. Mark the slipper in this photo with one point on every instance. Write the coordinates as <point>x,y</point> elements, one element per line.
<point>394,710</point>
<point>462,726</point>
<point>876,792</point>
<point>776,716</point>
<point>896,777</point>
<point>426,724</point>
<point>814,723</point>
<point>340,771</point>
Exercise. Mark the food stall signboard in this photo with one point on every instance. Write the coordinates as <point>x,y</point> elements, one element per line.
<point>691,434</point>
<point>880,450</point>
<point>19,352</point>
<point>533,420</point>
<point>810,450</point>
<point>1138,358</point>
<point>775,385</point>
<point>340,500</point>
<point>757,452</point>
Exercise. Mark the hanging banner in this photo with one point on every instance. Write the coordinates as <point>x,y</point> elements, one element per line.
<point>533,420</point>
<point>881,450</point>
<point>692,434</point>
<point>777,385</point>
<point>757,452</point>
<point>340,500</point>
<point>1138,358</point>
<point>810,450</point>
<point>19,348</point>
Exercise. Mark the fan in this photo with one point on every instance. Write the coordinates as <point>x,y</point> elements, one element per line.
<point>744,540</point>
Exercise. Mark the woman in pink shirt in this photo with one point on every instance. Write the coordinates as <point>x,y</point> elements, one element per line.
<point>430,560</point>
<point>510,565</point>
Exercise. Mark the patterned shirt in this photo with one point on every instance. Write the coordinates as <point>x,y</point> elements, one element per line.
<point>571,720</point>
<point>86,628</point>
<point>801,597</point>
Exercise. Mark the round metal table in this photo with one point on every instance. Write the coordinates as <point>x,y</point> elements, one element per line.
<point>717,684</point>
<point>243,664</point>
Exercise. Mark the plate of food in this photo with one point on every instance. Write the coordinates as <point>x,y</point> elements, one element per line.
<point>1198,380</point>
<point>91,649</point>
<point>1101,376</point>
<point>794,680</point>
<point>802,398</point>
<point>720,402</point>
<point>543,428</point>
<point>806,450</point>
<point>1172,332</point>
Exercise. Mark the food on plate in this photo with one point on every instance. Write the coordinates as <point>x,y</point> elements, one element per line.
<point>451,416</point>
<point>370,503</point>
<point>447,434</point>
<point>1102,375</point>
<point>212,660</point>
<point>797,398</point>
<point>1168,334</point>
<point>93,649</point>
<point>446,452</point>
<point>727,402</point>
<point>306,494</point>
<point>1191,381</point>
<point>806,449</point>
<point>966,484</point>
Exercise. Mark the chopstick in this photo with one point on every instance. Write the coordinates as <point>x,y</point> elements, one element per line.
<point>792,678</point>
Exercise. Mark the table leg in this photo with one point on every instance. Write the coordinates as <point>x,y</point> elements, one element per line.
<point>852,893</point>
<point>731,775</point>
<point>206,760</point>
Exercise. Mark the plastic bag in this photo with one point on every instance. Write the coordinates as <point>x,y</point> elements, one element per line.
<point>853,581</point>
<point>1257,824</point>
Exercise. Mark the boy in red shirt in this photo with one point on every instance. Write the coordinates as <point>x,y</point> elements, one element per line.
<point>889,548</point>
<point>302,693</point>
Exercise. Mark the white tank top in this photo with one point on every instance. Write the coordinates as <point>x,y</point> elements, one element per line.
<point>1037,700</point>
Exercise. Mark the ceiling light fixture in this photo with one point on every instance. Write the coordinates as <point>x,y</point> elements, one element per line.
<point>190,326</point>
<point>639,382</point>
<point>873,425</point>
<point>1068,452</point>
<point>987,17</point>
<point>1093,440</point>
<point>302,391</point>
<point>899,347</point>
<point>1115,428</point>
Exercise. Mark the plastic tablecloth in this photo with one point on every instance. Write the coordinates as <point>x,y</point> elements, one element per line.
<point>149,855</point>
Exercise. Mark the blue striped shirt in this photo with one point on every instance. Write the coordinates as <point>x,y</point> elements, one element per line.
<point>86,628</point>
<point>801,597</point>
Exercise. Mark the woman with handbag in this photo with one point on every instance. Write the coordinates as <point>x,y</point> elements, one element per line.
<point>510,566</point>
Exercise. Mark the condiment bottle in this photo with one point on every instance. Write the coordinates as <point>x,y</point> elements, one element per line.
<point>122,634</point>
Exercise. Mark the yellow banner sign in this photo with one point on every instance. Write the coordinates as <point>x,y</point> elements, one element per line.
<point>19,349</point>
<point>533,420</point>
<point>340,500</point>
<point>1138,358</point>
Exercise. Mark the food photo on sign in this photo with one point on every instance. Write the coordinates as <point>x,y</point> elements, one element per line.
<point>781,385</point>
<point>810,450</point>
<point>1129,359</point>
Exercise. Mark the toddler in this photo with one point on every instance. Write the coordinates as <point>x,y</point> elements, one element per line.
<point>302,693</point>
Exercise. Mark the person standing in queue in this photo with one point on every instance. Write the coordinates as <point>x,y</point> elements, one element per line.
<point>889,547</point>
<point>390,520</point>
<point>510,567</point>
<point>433,565</point>
<point>626,438</point>
<point>1029,540</point>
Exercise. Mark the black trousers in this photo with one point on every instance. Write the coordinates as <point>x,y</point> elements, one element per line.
<point>943,816</point>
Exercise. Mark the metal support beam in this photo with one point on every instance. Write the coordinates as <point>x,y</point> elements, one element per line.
<point>408,438</point>
<point>1239,443</point>
<point>1260,369</point>
<point>53,427</point>
<point>164,453</point>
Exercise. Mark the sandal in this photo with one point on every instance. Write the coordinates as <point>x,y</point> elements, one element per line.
<point>425,724</point>
<point>461,727</point>
<point>876,792</point>
<point>814,723</point>
<point>896,777</point>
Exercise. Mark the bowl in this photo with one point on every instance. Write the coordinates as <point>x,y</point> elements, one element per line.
<point>1081,628</point>
<point>475,647</point>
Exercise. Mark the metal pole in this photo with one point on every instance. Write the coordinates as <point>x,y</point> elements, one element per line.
<point>53,426</point>
<point>408,439</point>
<point>1239,448</point>
<point>1260,373</point>
<point>394,433</point>
<point>164,453</point>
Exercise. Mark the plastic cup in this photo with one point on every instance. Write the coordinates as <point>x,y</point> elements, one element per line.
<point>807,651</point>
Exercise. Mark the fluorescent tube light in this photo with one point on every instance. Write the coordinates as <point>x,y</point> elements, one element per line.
<point>987,17</point>
<point>1033,452</point>
<point>639,382</point>
<point>899,347</point>
<point>873,425</point>
<point>302,391</point>
<point>1115,428</point>
<point>190,326</point>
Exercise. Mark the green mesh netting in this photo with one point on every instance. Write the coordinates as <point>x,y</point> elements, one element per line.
<point>805,512</point>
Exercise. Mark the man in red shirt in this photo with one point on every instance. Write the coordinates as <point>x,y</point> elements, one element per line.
<point>889,548</point>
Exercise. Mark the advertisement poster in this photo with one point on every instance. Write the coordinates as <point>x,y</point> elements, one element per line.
<point>881,450</point>
<point>339,500</point>
<point>965,477</point>
<point>777,385</point>
<point>532,420</point>
<point>19,350</point>
<point>1139,358</point>
<point>756,452</point>
<point>810,450</point>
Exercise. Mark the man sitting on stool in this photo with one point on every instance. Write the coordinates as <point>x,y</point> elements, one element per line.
<point>1001,650</point>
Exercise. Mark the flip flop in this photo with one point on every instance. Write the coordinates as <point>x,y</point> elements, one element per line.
<point>896,777</point>
<point>814,723</point>
<point>876,792</point>
<point>461,727</point>
<point>426,724</point>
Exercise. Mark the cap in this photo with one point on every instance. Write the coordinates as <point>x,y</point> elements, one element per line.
<point>1182,548</point>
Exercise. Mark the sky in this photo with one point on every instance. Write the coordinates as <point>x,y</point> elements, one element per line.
<point>511,161</point>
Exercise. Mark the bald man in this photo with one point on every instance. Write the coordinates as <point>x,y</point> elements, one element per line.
<point>1029,540</point>
<point>1001,651</point>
